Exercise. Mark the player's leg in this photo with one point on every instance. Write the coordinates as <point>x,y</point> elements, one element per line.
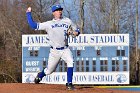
<point>52,63</point>
<point>53,60</point>
<point>68,58</point>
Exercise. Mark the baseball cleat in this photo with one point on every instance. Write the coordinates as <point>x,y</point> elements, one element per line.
<point>39,77</point>
<point>37,80</point>
<point>70,86</point>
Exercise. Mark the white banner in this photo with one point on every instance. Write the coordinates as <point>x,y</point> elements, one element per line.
<point>81,78</point>
<point>35,40</point>
<point>100,40</point>
<point>81,40</point>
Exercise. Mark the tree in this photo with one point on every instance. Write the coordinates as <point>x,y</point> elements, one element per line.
<point>13,25</point>
<point>82,18</point>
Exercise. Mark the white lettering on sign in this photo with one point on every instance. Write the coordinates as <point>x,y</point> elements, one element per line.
<point>33,48</point>
<point>78,48</point>
<point>30,48</point>
<point>32,63</point>
<point>32,69</point>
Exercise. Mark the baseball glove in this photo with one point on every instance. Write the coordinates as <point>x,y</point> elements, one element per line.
<point>70,31</point>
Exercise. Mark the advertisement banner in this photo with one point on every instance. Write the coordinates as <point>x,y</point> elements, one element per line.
<point>81,78</point>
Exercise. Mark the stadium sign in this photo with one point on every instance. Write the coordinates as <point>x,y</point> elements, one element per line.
<point>99,59</point>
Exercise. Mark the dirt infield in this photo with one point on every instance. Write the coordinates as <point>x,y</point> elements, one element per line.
<point>44,88</point>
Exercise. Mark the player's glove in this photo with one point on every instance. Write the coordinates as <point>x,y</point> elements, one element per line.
<point>71,32</point>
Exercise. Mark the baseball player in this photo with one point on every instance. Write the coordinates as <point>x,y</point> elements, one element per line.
<point>58,30</point>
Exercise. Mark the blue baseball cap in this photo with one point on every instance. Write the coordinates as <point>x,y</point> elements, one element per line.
<point>56,7</point>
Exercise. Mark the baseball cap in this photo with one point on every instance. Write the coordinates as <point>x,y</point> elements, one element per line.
<point>56,7</point>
